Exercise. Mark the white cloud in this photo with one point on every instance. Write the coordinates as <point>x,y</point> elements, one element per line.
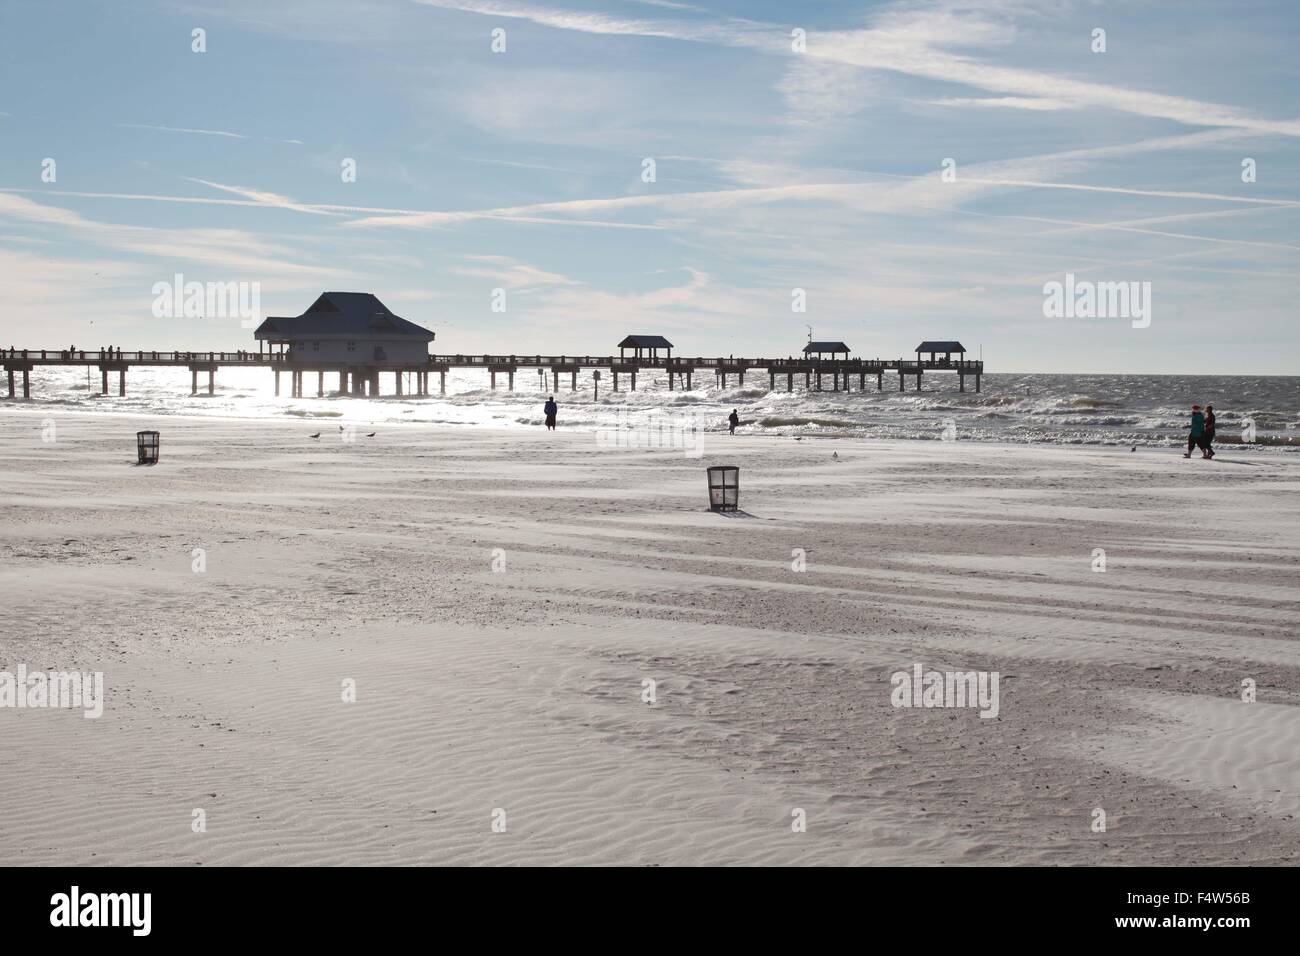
<point>264,198</point>
<point>509,273</point>
<point>202,132</point>
<point>181,129</point>
<point>1003,102</point>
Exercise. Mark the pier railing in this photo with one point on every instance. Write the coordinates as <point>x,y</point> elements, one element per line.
<point>116,356</point>
<point>730,363</point>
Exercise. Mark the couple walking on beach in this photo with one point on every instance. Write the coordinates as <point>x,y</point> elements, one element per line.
<point>1202,432</point>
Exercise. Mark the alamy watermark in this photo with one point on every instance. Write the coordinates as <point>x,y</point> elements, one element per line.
<point>655,429</point>
<point>179,299</point>
<point>922,688</point>
<point>126,910</point>
<point>64,689</point>
<point>1085,299</point>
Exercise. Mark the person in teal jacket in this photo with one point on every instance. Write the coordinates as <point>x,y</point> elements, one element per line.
<point>1197,435</point>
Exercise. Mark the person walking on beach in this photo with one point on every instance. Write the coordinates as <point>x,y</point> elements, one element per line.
<point>1196,435</point>
<point>550,408</point>
<point>1208,437</point>
<point>733,420</point>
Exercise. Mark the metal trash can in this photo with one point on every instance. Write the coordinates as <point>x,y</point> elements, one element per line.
<point>146,446</point>
<point>724,487</point>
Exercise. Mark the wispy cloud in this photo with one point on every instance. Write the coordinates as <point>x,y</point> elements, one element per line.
<point>263,198</point>
<point>232,250</point>
<point>1119,227</point>
<point>914,41</point>
<point>906,193</point>
<point>509,272</point>
<point>203,132</point>
<point>380,214</point>
<point>181,129</point>
<point>1003,102</point>
<point>670,5</point>
<point>1161,193</point>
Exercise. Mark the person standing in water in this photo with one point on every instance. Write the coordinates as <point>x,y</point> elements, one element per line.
<point>1197,433</point>
<point>1208,437</point>
<point>550,408</point>
<point>733,420</point>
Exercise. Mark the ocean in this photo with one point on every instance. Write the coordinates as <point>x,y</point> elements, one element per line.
<point>1258,412</point>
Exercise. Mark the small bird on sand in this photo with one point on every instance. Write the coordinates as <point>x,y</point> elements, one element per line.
<point>317,435</point>
<point>835,455</point>
<point>342,429</point>
<point>371,435</point>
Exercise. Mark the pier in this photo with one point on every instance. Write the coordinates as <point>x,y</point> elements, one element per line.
<point>363,379</point>
<point>355,337</point>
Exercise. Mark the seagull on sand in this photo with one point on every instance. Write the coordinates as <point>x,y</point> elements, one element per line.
<point>317,435</point>
<point>371,435</point>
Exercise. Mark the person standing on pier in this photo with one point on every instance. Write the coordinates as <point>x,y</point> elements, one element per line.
<point>1196,435</point>
<point>733,420</point>
<point>550,408</point>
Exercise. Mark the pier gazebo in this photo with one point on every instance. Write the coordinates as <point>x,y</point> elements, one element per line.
<point>947,348</point>
<point>347,328</point>
<point>642,343</point>
<point>819,349</point>
<point>353,334</point>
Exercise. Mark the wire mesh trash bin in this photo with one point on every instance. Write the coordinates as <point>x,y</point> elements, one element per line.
<point>146,446</point>
<point>724,487</point>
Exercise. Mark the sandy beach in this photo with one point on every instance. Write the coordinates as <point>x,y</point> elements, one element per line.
<point>500,597</point>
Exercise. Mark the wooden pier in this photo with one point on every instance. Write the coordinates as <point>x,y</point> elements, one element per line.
<point>364,379</point>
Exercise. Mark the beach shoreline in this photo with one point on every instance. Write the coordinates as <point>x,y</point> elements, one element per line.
<point>1255,413</point>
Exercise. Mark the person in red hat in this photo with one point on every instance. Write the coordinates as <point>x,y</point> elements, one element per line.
<point>1196,436</point>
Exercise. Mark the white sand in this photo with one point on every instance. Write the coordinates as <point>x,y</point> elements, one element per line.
<point>521,689</point>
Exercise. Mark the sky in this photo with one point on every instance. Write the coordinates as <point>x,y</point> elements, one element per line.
<point>798,153</point>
